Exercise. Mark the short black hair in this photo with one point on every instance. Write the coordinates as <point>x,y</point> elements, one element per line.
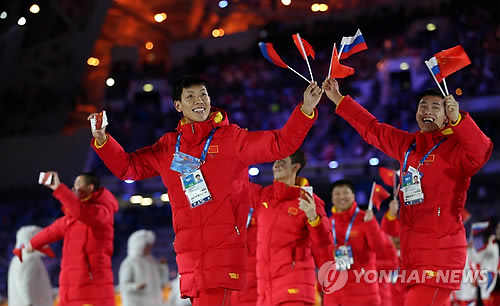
<point>91,178</point>
<point>433,92</point>
<point>343,183</point>
<point>299,158</point>
<point>185,82</point>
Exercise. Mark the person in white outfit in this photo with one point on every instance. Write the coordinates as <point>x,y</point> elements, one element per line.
<point>28,281</point>
<point>487,258</point>
<point>141,276</point>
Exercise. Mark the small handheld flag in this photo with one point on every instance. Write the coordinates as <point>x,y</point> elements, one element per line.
<point>377,195</point>
<point>336,70</point>
<point>303,51</point>
<point>267,50</point>
<point>352,44</point>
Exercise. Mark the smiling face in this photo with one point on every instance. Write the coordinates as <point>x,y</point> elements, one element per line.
<point>194,103</point>
<point>431,115</point>
<point>342,197</point>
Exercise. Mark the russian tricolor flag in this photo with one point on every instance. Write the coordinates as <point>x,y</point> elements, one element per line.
<point>352,44</point>
<point>479,227</point>
<point>267,50</point>
<point>433,65</point>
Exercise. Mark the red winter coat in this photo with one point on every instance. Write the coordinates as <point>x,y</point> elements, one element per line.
<point>210,239</point>
<point>248,296</point>
<point>285,238</point>
<point>387,264</point>
<point>432,233</point>
<point>364,240</point>
<point>87,229</point>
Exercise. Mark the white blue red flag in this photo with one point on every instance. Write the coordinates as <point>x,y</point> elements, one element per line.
<point>352,44</point>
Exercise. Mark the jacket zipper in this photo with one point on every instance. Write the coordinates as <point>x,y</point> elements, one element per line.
<point>237,230</point>
<point>439,211</point>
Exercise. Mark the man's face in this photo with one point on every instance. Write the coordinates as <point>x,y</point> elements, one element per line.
<point>431,115</point>
<point>342,198</point>
<point>194,104</point>
<point>284,169</point>
<point>81,188</point>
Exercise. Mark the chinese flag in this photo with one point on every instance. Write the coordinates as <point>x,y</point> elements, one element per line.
<point>307,46</point>
<point>452,60</point>
<point>387,175</point>
<point>337,70</point>
<point>379,194</point>
<point>465,215</point>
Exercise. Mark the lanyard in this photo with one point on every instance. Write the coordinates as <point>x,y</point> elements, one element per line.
<point>348,232</point>
<point>421,162</point>
<point>205,148</point>
<point>249,216</point>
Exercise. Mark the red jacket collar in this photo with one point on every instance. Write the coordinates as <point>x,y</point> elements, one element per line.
<point>284,192</point>
<point>196,132</point>
<point>425,141</point>
<point>345,214</point>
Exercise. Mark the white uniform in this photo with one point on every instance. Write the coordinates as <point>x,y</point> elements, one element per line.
<point>488,259</point>
<point>137,269</point>
<point>28,281</point>
<point>468,288</point>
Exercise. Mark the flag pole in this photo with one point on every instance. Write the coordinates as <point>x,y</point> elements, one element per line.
<point>434,77</point>
<point>446,87</point>
<point>331,60</point>
<point>370,202</point>
<point>300,75</point>
<point>395,187</point>
<point>305,55</point>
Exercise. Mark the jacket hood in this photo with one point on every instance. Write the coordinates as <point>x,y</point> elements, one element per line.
<point>195,132</point>
<point>137,242</point>
<point>103,195</point>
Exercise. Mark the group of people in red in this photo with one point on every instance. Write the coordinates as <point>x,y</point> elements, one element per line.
<point>204,166</point>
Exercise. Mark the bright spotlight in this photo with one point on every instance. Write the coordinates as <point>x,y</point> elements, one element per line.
<point>286,2</point>
<point>374,161</point>
<point>148,87</point>
<point>146,201</point>
<point>430,27</point>
<point>3,15</point>
<point>404,66</point>
<point>128,181</point>
<point>333,164</point>
<point>110,82</point>
<point>164,197</point>
<point>35,9</point>
<point>21,21</point>
<point>254,171</point>
<point>136,199</point>
<point>223,4</point>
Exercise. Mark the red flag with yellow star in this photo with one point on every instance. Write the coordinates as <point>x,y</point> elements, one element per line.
<point>387,175</point>
<point>379,194</point>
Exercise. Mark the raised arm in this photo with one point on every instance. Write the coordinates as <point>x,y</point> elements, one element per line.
<point>143,163</point>
<point>92,214</point>
<point>476,146</point>
<point>50,234</point>
<point>267,146</point>
<point>384,137</point>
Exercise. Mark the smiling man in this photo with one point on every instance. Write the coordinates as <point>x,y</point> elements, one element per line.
<point>447,151</point>
<point>209,213</point>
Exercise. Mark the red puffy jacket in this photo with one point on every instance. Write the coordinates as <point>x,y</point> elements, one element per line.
<point>387,264</point>
<point>364,240</point>
<point>210,239</point>
<point>285,238</point>
<point>248,296</point>
<point>432,233</point>
<point>87,229</point>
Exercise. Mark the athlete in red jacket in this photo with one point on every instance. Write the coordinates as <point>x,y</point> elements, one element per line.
<point>87,229</point>
<point>291,223</point>
<point>444,155</point>
<point>209,214</point>
<point>248,296</point>
<point>358,233</point>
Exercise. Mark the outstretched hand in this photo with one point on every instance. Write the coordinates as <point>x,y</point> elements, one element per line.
<point>312,95</point>
<point>331,88</point>
<point>100,134</point>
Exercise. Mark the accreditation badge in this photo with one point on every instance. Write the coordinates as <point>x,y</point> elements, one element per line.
<point>343,257</point>
<point>195,188</point>
<point>412,187</point>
